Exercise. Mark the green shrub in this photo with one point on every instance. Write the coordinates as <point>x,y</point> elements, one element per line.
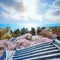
<point>6,36</point>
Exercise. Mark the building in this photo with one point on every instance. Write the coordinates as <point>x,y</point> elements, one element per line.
<point>45,51</point>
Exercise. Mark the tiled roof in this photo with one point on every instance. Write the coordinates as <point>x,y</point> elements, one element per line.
<point>49,50</point>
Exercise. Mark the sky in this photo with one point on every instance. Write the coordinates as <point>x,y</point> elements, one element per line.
<point>29,13</point>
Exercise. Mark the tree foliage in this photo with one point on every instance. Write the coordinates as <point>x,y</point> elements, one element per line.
<point>32,31</point>
<point>4,31</point>
<point>38,30</point>
<point>15,33</point>
<point>24,30</point>
<point>6,36</point>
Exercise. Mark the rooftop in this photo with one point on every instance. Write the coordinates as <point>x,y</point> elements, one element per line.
<point>49,50</point>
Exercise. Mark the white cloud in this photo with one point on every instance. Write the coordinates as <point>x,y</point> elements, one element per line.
<point>50,15</point>
<point>54,12</point>
<point>56,4</point>
<point>27,9</point>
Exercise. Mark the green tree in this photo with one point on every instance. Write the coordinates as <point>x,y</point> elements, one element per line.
<point>16,32</point>
<point>24,30</point>
<point>38,30</point>
<point>4,31</point>
<point>32,31</point>
<point>11,31</point>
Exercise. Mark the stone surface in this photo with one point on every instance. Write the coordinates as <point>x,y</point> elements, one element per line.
<point>22,42</point>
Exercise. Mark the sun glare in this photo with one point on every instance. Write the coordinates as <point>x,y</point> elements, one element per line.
<point>30,6</point>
